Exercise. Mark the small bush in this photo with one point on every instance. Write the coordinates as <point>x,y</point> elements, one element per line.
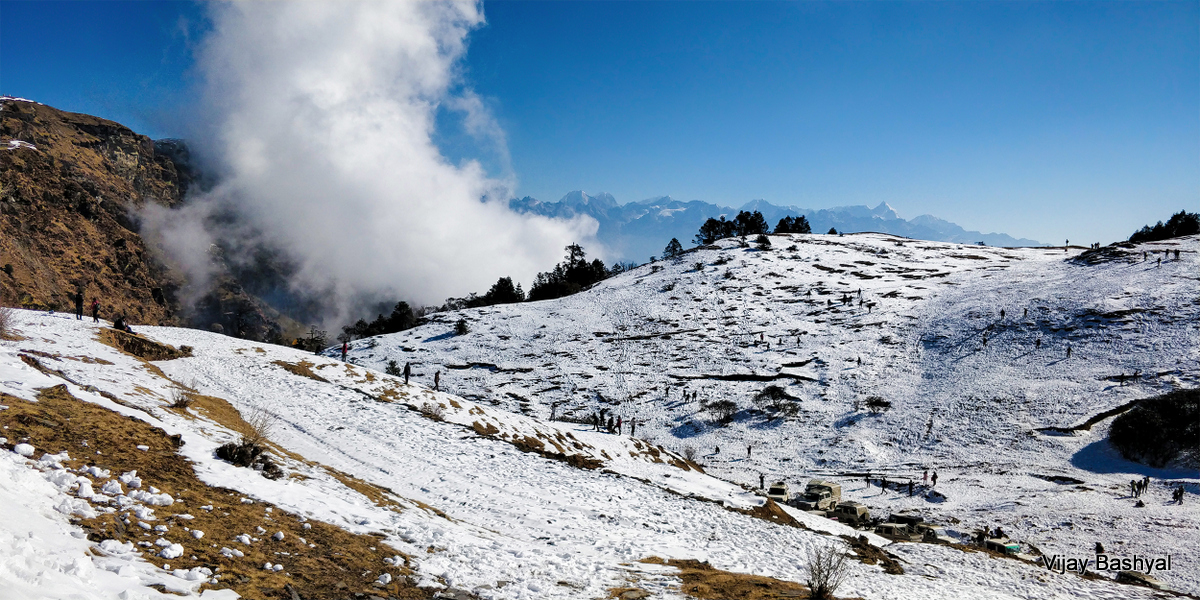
<point>7,322</point>
<point>393,369</point>
<point>260,425</point>
<point>1160,431</point>
<point>764,242</point>
<point>877,404</point>
<point>460,328</point>
<point>667,287</point>
<point>773,397</point>
<point>689,452</point>
<point>728,274</point>
<point>180,398</point>
<point>433,411</point>
<point>723,410</point>
<point>250,450</point>
<point>827,569</point>
<point>698,267</point>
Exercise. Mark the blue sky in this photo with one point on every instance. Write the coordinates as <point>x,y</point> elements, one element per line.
<point>1044,120</point>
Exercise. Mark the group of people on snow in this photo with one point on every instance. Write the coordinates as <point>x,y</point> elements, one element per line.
<point>612,425</point>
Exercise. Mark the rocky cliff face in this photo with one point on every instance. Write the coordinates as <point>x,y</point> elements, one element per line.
<point>70,186</point>
<point>67,225</point>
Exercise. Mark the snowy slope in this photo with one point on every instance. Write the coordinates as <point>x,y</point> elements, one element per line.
<point>512,524</point>
<point>969,389</point>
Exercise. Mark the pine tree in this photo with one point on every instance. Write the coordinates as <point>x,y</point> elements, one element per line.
<point>832,231</point>
<point>673,249</point>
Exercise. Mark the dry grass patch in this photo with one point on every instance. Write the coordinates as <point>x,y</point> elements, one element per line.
<point>302,368</point>
<point>867,554</point>
<point>320,561</point>
<point>142,347</point>
<point>770,511</point>
<point>702,580</point>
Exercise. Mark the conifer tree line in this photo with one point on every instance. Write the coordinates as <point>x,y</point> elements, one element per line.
<point>747,223</point>
<point>1180,224</point>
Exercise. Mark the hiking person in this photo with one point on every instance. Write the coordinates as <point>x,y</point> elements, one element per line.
<point>1038,343</point>
<point>619,428</point>
<point>632,426</point>
<point>345,349</point>
<point>609,426</point>
<point>1002,313</point>
<point>925,477</point>
<point>1132,489</point>
<point>867,478</point>
<point>1160,262</point>
<point>1026,313</point>
<point>910,487</point>
<point>883,483</point>
<point>407,372</point>
<point>1068,352</point>
<point>762,483</point>
<point>119,323</point>
<point>748,449</point>
<point>437,380</point>
<point>716,449</point>
<point>934,479</point>
<point>95,310</point>
<point>79,305</point>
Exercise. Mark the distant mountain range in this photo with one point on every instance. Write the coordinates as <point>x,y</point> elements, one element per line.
<point>638,230</point>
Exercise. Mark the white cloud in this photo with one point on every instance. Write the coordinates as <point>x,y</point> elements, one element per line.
<point>321,119</point>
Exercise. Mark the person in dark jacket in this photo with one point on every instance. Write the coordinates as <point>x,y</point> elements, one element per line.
<point>79,305</point>
<point>95,310</point>
<point>407,372</point>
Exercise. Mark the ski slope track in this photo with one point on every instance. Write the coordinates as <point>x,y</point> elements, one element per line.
<point>494,499</point>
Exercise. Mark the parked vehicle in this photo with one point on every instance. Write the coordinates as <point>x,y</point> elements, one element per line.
<point>820,495</point>
<point>910,519</point>
<point>852,513</point>
<point>897,532</point>
<point>934,534</point>
<point>1002,545</point>
<point>779,492</point>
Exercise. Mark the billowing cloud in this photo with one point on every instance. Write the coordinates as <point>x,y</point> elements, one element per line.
<point>320,121</point>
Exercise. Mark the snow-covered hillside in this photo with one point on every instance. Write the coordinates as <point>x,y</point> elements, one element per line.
<point>977,349</point>
<point>494,509</point>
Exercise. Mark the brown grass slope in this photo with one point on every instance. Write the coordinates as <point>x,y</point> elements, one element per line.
<point>321,561</point>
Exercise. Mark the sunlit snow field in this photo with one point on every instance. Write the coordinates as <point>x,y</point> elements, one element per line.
<point>524,526</point>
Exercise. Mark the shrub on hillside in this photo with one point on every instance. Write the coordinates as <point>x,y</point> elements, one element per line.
<point>393,368</point>
<point>773,398</point>
<point>876,404</point>
<point>723,410</point>
<point>1160,431</point>
<point>460,328</point>
<point>250,450</point>
<point>7,320</point>
<point>827,568</point>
